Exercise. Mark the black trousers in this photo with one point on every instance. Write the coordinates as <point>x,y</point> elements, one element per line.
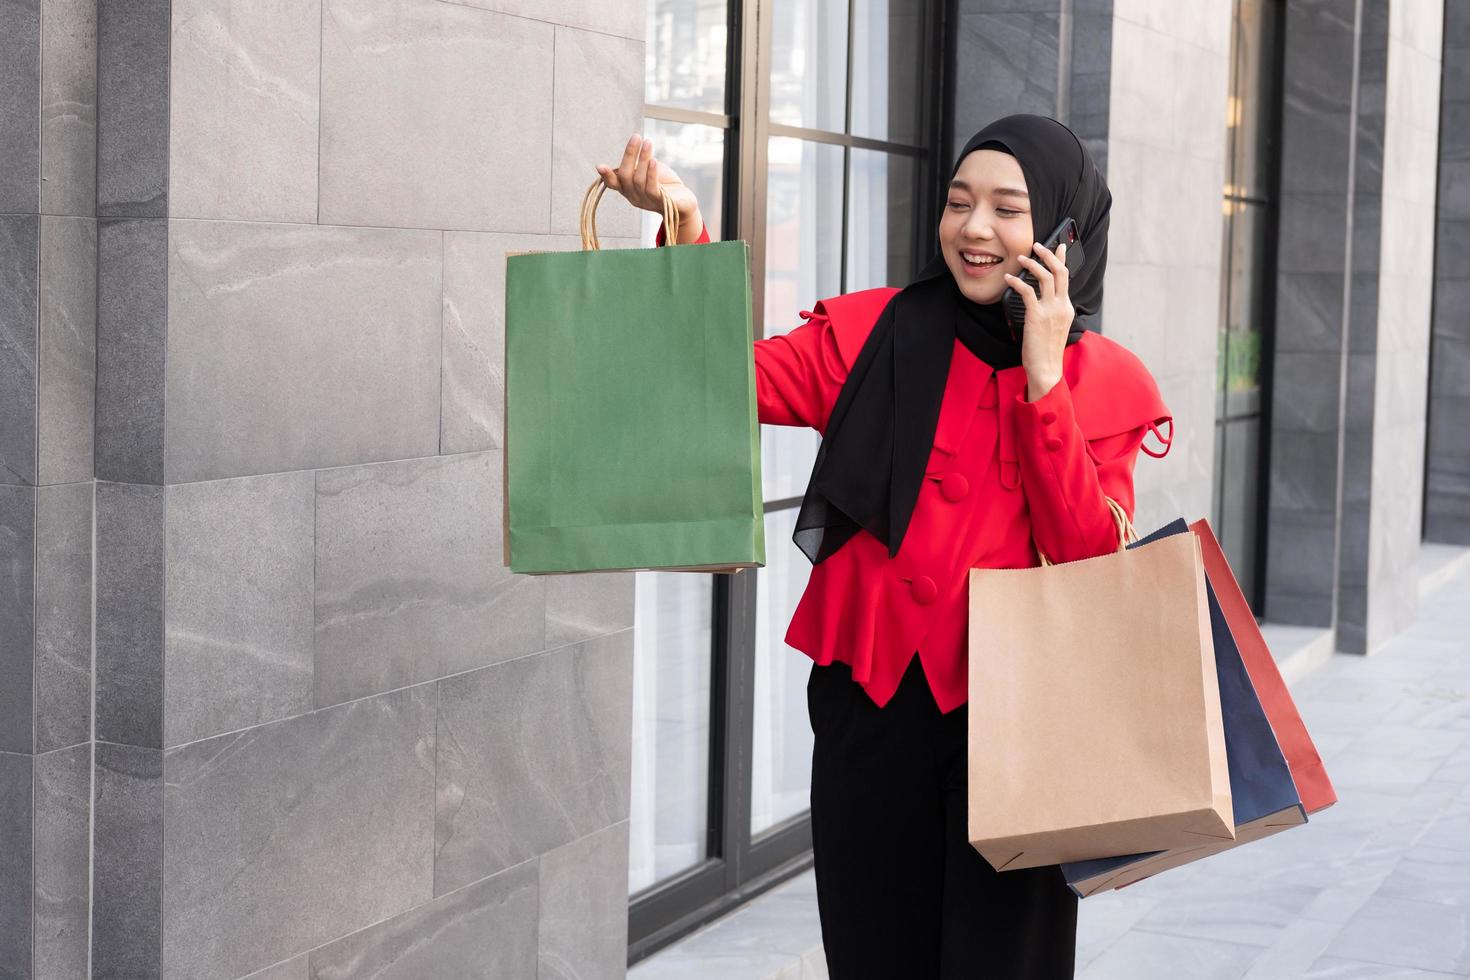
<point>901,893</point>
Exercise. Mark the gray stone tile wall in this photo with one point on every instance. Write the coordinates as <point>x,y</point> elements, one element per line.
<point>1166,163</point>
<point>47,338</point>
<point>1447,496</point>
<point>127,861</point>
<point>288,835</point>
<point>299,275</point>
<point>1353,376</point>
<point>1301,509</point>
<point>1410,153</point>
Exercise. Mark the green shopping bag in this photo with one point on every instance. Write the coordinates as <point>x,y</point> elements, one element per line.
<point>631,438</point>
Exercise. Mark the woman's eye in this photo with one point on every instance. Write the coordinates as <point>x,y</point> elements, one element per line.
<point>1006,211</point>
<point>957,204</point>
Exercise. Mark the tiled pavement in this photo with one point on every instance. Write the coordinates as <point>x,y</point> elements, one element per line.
<point>1378,886</point>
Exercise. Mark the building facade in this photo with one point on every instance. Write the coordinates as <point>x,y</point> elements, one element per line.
<point>271,707</point>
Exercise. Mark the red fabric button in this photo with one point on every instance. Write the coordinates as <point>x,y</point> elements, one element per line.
<point>954,487</point>
<point>1047,418</point>
<point>924,590</point>
<point>1053,444</point>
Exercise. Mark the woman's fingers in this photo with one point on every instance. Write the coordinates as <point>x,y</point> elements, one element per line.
<point>1057,262</point>
<point>1021,286</point>
<point>650,180</point>
<point>1042,273</point>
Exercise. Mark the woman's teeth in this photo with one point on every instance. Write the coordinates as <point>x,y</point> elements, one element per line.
<point>979,260</point>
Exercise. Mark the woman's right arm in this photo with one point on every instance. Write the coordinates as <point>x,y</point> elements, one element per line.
<point>797,374</point>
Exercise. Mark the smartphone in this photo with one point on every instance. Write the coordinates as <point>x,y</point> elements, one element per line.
<point>1012,302</point>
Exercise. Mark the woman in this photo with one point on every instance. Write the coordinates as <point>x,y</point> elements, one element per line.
<point>950,441</point>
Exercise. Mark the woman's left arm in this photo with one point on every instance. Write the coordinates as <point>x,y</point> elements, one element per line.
<point>1066,477</point>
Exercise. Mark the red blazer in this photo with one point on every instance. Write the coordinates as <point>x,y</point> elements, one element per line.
<point>1001,471</point>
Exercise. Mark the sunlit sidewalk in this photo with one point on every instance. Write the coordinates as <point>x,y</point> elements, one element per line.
<point>1378,886</point>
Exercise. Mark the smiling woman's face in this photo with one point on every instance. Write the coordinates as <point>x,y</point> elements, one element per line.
<point>987,217</point>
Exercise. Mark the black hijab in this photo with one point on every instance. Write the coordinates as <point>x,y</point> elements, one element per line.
<point>871,462</point>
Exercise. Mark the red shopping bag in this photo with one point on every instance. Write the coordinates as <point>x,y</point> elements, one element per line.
<point>1307,771</point>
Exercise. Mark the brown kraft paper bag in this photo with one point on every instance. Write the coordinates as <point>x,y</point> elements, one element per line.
<point>1095,723</point>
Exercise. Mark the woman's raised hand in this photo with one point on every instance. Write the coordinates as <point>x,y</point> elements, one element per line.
<point>639,178</point>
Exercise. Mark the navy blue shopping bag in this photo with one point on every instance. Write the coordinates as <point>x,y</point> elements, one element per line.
<point>1262,791</point>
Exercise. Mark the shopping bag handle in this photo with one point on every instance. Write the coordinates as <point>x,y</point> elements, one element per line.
<point>1126,532</point>
<point>590,201</point>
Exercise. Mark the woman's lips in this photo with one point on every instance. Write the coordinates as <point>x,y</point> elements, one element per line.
<point>976,271</point>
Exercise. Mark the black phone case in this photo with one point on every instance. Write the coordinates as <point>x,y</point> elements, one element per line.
<point>1012,301</point>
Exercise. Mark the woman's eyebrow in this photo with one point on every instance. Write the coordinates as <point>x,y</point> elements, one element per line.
<point>958,184</point>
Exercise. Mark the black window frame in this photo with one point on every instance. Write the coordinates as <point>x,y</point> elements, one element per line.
<point>1273,74</point>
<point>740,867</point>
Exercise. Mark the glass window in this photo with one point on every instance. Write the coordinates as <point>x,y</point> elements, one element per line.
<point>882,204</point>
<point>888,66</point>
<point>668,812</point>
<point>685,66</point>
<point>1244,333</point>
<point>781,759</point>
<point>809,63</point>
<point>720,719</point>
<point>803,226</point>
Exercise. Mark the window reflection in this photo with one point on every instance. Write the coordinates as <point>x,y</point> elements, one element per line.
<point>685,66</point>
<point>880,221</point>
<point>887,71</point>
<point>781,760</point>
<point>671,700</point>
<point>803,227</point>
<point>809,63</point>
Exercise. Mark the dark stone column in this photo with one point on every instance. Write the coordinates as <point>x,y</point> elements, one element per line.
<point>1447,495</point>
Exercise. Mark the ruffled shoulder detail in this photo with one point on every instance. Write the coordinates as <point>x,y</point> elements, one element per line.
<point>1112,392</point>
<point>852,317</point>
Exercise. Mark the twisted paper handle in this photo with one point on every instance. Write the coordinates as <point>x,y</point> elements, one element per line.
<point>1126,533</point>
<point>590,201</point>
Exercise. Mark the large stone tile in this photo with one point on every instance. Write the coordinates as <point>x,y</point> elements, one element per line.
<point>1139,954</point>
<point>598,105</point>
<point>132,108</point>
<point>580,607</point>
<point>63,788</point>
<point>295,346</point>
<point>288,835</point>
<point>473,397</point>
<point>63,689</point>
<point>129,612</point>
<point>238,615</point>
<point>623,19</point>
<point>15,866</point>
<point>1431,874</point>
<point>245,96</point>
<point>533,754</point>
<point>409,584</point>
<point>487,929</point>
<point>68,348</point>
<point>20,80</point>
<point>17,617</point>
<point>293,969</point>
<point>127,862</point>
<point>132,330</point>
<point>69,107</point>
<point>1232,910</point>
<point>1399,932</point>
<point>584,907</point>
<point>435,115</point>
<point>20,243</point>
<point>1333,968</point>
